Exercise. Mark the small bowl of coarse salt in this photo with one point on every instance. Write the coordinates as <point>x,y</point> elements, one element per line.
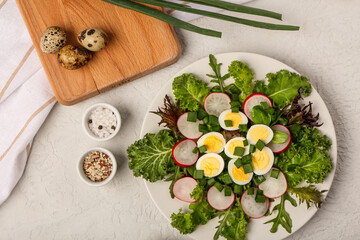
<point>97,166</point>
<point>101,121</point>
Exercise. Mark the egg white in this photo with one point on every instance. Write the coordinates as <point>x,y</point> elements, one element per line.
<point>231,165</point>
<point>227,152</point>
<point>217,156</point>
<point>270,137</point>
<point>244,120</point>
<point>257,172</point>
<point>201,140</point>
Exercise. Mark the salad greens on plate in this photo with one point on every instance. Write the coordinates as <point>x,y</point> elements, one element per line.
<point>230,148</point>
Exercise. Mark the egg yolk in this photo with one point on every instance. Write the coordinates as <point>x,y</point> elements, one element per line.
<point>213,143</point>
<point>233,144</point>
<point>210,165</point>
<point>259,132</point>
<point>239,174</point>
<point>260,159</point>
<point>235,118</point>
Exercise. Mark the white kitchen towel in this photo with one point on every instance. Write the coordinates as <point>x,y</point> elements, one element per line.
<point>25,94</point>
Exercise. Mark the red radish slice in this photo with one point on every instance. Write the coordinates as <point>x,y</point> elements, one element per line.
<point>218,200</point>
<point>216,103</point>
<point>183,188</point>
<point>189,129</point>
<point>252,101</point>
<point>252,208</point>
<point>274,187</point>
<point>279,148</point>
<point>182,153</point>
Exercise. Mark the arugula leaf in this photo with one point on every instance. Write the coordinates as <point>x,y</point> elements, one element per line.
<point>233,224</point>
<point>200,213</point>
<point>307,158</point>
<point>283,87</point>
<point>243,76</point>
<point>150,157</point>
<point>309,194</point>
<point>283,217</point>
<point>189,91</point>
<point>217,78</point>
<point>177,175</point>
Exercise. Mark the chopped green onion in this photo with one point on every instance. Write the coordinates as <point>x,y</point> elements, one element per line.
<point>198,174</point>
<point>226,179</point>
<point>248,168</point>
<point>227,191</point>
<point>206,119</point>
<point>252,148</point>
<point>234,109</point>
<point>234,96</point>
<point>238,163</point>
<point>260,145</point>
<point>192,116</point>
<point>213,120</point>
<point>243,128</point>
<point>250,191</point>
<point>274,173</point>
<point>239,151</point>
<point>203,128</point>
<point>246,159</point>
<point>219,186</point>
<point>211,182</point>
<point>201,114</point>
<point>260,196</point>
<point>195,150</point>
<point>163,17</point>
<point>245,142</point>
<point>258,179</point>
<point>228,123</point>
<point>237,189</point>
<point>202,149</point>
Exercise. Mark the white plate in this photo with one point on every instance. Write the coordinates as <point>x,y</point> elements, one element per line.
<point>261,65</point>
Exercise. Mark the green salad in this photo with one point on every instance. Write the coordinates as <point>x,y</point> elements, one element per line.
<point>229,150</point>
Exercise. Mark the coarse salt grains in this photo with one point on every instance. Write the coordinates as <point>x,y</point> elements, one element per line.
<point>102,122</point>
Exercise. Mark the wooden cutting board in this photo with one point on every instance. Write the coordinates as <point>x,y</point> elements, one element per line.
<point>138,45</point>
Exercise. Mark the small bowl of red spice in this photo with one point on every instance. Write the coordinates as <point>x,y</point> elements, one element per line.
<point>97,166</point>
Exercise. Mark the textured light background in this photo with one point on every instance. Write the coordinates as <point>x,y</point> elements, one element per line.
<point>50,201</point>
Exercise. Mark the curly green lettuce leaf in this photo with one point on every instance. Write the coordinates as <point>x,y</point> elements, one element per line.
<point>309,194</point>
<point>190,92</point>
<point>233,224</point>
<point>243,76</point>
<point>283,218</point>
<point>200,213</point>
<point>150,157</point>
<point>259,87</point>
<point>283,87</point>
<point>307,158</point>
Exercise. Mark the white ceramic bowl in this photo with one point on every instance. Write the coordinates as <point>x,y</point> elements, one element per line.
<point>80,167</point>
<point>85,121</point>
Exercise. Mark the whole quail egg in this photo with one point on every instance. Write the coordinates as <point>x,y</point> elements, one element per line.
<point>71,57</point>
<point>93,39</point>
<point>52,40</point>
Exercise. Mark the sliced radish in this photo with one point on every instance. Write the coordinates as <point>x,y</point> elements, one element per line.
<point>252,101</point>
<point>279,148</point>
<point>274,187</point>
<point>218,200</point>
<point>182,153</point>
<point>216,103</point>
<point>252,208</point>
<point>183,188</point>
<point>189,129</point>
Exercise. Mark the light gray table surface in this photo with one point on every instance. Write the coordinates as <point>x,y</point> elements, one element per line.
<point>51,202</point>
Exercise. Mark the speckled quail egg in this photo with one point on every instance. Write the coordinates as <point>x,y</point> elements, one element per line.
<point>52,40</point>
<point>71,57</point>
<point>93,39</point>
